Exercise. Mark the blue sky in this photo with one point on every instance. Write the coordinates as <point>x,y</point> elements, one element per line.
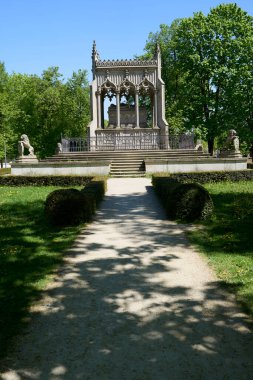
<point>36,34</point>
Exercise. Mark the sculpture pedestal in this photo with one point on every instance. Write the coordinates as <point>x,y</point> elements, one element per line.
<point>27,159</point>
<point>230,153</point>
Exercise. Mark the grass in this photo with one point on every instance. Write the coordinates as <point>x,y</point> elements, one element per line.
<point>30,251</point>
<point>227,239</point>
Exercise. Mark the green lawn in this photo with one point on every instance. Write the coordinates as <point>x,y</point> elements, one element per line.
<point>30,250</point>
<point>227,240</point>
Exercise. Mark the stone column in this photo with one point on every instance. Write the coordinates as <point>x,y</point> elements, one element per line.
<point>137,115</point>
<point>98,93</point>
<point>118,107</point>
<point>155,109</point>
<point>102,112</point>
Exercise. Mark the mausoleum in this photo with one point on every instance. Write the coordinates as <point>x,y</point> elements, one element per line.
<point>136,119</point>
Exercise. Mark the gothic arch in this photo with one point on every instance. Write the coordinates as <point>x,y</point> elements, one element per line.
<point>146,87</point>
<point>127,87</point>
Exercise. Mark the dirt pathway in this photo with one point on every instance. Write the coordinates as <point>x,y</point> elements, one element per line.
<point>133,302</point>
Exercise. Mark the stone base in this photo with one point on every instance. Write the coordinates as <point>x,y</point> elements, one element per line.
<point>195,165</point>
<point>230,154</point>
<point>85,168</point>
<point>27,160</point>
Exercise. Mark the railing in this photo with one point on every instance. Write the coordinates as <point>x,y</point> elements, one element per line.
<point>135,142</point>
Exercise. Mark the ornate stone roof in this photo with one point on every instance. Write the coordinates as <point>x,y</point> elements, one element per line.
<point>126,62</point>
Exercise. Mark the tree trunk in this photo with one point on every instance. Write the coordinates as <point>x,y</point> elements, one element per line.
<point>210,145</point>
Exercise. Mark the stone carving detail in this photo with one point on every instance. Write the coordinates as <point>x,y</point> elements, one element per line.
<point>128,139</point>
<point>23,144</point>
<point>58,148</point>
<point>231,146</point>
<point>199,146</point>
<point>146,86</point>
<point>125,62</point>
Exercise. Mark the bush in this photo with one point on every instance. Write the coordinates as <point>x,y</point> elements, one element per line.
<point>190,202</point>
<point>66,207</point>
<point>183,201</point>
<point>96,189</point>
<point>207,177</point>
<point>44,181</point>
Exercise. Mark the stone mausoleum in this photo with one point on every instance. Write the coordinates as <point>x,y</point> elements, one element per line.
<point>136,114</point>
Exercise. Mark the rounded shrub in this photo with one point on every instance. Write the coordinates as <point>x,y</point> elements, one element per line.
<point>66,207</point>
<point>189,202</point>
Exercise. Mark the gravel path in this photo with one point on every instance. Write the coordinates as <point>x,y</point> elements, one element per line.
<point>133,302</point>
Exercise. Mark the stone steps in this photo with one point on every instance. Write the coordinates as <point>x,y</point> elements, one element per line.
<point>128,175</point>
<point>126,163</point>
<point>125,155</point>
<point>127,168</point>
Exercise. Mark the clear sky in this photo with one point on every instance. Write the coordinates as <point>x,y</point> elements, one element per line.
<point>36,34</point>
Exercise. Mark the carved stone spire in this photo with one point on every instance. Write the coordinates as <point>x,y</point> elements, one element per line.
<point>95,57</point>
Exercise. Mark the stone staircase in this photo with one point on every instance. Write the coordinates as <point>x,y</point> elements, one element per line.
<point>127,167</point>
<point>127,163</point>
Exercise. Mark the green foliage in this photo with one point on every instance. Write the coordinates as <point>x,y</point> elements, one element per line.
<point>191,202</point>
<point>227,238</point>
<point>97,187</point>
<point>207,177</point>
<point>44,107</point>
<point>207,69</point>
<point>44,181</point>
<point>183,201</point>
<point>30,250</point>
<point>67,207</point>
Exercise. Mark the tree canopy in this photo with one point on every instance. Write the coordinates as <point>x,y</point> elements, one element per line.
<point>207,67</point>
<point>43,107</point>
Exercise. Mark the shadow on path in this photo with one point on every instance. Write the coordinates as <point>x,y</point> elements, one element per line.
<point>134,302</point>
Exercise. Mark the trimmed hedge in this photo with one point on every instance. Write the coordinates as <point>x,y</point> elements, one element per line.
<point>183,201</point>
<point>207,177</point>
<point>96,189</point>
<point>68,207</point>
<point>44,181</point>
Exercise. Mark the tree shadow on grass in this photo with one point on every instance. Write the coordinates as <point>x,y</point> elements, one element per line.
<point>233,222</point>
<point>117,311</point>
<point>30,250</point>
<point>228,236</point>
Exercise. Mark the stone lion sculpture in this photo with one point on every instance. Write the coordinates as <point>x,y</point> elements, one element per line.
<point>58,148</point>
<point>231,146</point>
<point>25,143</point>
<point>232,141</point>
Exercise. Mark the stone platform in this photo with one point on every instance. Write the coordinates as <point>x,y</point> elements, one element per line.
<point>129,163</point>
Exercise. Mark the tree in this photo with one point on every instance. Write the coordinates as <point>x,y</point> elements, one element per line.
<point>44,107</point>
<point>172,76</point>
<point>208,72</point>
<point>77,104</point>
<point>6,133</point>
